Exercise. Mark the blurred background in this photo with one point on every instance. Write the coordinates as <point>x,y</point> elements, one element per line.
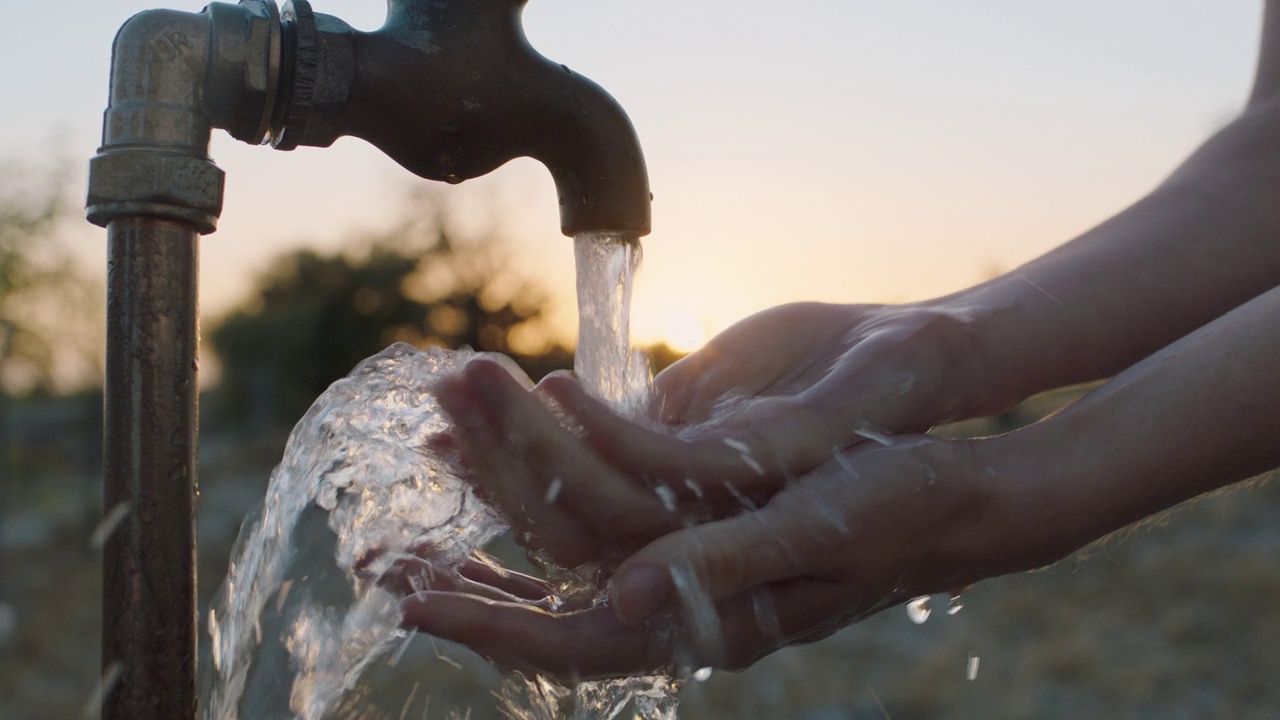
<point>840,151</point>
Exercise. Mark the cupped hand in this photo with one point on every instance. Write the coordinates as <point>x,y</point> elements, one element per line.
<point>801,380</point>
<point>778,393</point>
<point>558,494</point>
<point>872,527</point>
<point>765,401</point>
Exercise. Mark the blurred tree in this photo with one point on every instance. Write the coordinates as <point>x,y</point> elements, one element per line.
<point>50,313</point>
<point>51,323</point>
<point>314,316</point>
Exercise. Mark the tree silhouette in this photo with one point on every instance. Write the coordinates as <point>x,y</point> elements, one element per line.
<point>50,314</point>
<point>313,316</point>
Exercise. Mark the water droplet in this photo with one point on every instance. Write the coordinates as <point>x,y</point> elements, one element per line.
<point>918,609</point>
<point>743,500</point>
<point>905,385</point>
<point>955,604</point>
<point>694,487</point>
<point>971,670</point>
<point>667,496</point>
<point>874,437</point>
<point>105,685</point>
<point>744,452</point>
<point>110,522</point>
<point>702,674</point>
<point>553,490</point>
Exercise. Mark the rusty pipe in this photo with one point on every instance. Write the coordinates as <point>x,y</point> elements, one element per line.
<point>149,466</point>
<point>175,76</point>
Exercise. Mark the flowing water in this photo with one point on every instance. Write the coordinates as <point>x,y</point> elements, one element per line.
<point>604,360</point>
<point>300,616</point>
<point>613,372</point>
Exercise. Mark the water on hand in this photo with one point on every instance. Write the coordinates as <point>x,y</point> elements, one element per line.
<point>301,615</point>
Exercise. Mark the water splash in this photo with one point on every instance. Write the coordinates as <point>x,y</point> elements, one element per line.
<point>355,491</point>
<point>918,609</point>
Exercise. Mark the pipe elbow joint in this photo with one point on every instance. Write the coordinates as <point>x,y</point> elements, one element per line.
<point>174,77</point>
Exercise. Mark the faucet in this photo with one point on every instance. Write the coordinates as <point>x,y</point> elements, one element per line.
<point>449,89</point>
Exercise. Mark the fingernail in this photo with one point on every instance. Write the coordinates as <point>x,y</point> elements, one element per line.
<point>639,592</point>
<point>486,378</point>
<point>415,607</point>
<point>456,401</point>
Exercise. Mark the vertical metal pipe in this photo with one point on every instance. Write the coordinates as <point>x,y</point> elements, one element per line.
<point>149,581</point>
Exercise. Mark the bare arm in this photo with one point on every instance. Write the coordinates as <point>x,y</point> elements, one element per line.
<point>1199,414</point>
<point>1203,242</point>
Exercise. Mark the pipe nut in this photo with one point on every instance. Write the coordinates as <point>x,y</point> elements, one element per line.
<point>156,183</point>
<point>244,67</point>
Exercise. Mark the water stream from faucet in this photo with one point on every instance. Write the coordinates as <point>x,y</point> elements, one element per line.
<point>301,617</point>
<point>619,375</point>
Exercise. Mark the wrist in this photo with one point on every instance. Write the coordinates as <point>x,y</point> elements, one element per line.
<point>983,374</point>
<point>1034,506</point>
<point>1016,332</point>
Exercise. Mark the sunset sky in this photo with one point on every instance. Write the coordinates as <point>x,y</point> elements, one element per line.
<point>834,150</point>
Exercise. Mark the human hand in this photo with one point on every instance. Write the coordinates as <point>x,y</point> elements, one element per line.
<point>767,400</point>
<point>873,527</point>
<point>558,495</point>
<point>796,382</point>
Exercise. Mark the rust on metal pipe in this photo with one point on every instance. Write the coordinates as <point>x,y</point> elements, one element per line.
<point>149,603</point>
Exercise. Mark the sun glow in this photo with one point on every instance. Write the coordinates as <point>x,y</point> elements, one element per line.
<point>675,325</point>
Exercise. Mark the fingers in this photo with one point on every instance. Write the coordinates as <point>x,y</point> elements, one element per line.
<point>715,561</point>
<point>571,646</point>
<point>503,431</point>
<point>549,485</point>
<point>692,470</point>
<point>412,574</point>
<point>680,391</point>
<point>485,571</point>
<point>765,618</point>
<point>593,644</point>
<point>748,359</point>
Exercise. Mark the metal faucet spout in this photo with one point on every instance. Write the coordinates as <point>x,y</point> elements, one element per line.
<point>452,90</point>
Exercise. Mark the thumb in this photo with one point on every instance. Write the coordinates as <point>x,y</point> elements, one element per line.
<point>709,563</point>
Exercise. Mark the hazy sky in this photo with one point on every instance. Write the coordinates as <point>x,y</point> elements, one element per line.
<point>836,150</point>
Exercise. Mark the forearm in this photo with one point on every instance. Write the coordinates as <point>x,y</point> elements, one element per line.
<point>1201,413</point>
<point>1201,244</point>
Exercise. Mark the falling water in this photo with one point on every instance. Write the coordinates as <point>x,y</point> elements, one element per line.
<point>613,372</point>
<point>301,616</point>
<point>604,361</point>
